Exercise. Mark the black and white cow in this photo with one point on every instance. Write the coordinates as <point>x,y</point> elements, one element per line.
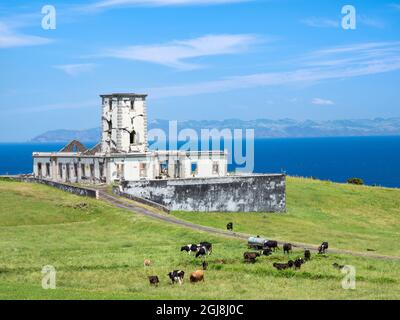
<point>176,276</point>
<point>189,248</point>
<point>323,247</point>
<point>202,251</point>
<point>229,226</point>
<point>206,245</point>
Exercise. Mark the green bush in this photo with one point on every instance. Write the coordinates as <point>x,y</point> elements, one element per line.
<point>356,181</point>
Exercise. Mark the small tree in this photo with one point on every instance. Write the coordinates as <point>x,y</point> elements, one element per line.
<point>356,181</point>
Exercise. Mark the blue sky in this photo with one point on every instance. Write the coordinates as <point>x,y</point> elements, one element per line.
<point>208,59</point>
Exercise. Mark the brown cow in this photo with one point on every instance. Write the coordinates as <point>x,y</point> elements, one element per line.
<point>147,263</point>
<point>197,276</point>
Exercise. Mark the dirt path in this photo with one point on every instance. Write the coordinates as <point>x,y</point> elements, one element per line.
<point>140,209</point>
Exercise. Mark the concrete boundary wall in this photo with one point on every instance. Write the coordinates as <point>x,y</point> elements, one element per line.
<point>117,191</point>
<point>80,191</point>
<point>247,193</point>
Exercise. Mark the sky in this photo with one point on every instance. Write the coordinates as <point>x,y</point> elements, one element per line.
<point>197,60</point>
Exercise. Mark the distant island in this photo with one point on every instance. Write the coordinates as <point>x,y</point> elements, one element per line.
<point>264,128</point>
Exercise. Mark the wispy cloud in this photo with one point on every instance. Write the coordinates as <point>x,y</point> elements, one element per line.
<point>10,38</point>
<point>176,53</point>
<point>321,22</point>
<point>350,62</point>
<point>322,102</point>
<point>75,69</point>
<point>106,4</point>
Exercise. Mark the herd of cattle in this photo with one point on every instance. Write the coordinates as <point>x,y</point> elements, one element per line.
<point>265,248</point>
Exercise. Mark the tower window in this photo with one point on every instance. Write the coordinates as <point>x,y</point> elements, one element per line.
<point>133,137</point>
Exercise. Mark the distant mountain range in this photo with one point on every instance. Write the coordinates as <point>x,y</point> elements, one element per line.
<point>264,128</point>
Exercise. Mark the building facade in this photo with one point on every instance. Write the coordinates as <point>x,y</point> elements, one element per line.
<point>123,154</point>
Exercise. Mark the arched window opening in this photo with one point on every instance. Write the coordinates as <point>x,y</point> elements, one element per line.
<point>133,137</point>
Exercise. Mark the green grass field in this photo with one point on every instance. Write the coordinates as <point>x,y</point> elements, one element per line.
<point>349,217</point>
<point>98,250</point>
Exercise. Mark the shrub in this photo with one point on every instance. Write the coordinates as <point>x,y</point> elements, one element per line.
<point>356,181</point>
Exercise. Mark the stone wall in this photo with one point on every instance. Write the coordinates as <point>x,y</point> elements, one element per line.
<point>85,192</point>
<point>252,193</point>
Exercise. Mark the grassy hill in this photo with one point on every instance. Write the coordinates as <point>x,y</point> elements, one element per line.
<point>98,250</point>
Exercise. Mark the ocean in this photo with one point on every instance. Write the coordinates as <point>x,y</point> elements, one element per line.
<point>374,159</point>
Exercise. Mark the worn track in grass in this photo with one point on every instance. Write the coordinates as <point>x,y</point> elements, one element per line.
<point>140,209</point>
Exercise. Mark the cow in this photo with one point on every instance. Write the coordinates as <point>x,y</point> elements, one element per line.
<point>205,265</point>
<point>207,245</point>
<point>154,281</point>
<point>298,262</point>
<point>323,247</point>
<point>197,276</point>
<point>146,262</point>
<point>307,255</point>
<point>250,260</point>
<point>176,276</point>
<point>267,252</point>
<point>189,248</point>
<point>281,266</point>
<point>229,226</point>
<point>202,251</point>
<point>287,248</point>
<point>272,244</point>
<point>250,255</point>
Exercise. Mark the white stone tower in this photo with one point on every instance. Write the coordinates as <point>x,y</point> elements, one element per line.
<point>124,123</point>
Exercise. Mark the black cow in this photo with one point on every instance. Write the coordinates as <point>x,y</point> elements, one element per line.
<point>229,226</point>
<point>307,255</point>
<point>267,252</point>
<point>154,281</point>
<point>272,244</point>
<point>189,248</point>
<point>287,248</point>
<point>207,245</point>
<point>205,265</point>
<point>283,266</point>
<point>298,262</point>
<point>176,276</point>
<point>250,260</point>
<point>323,247</point>
<point>202,251</point>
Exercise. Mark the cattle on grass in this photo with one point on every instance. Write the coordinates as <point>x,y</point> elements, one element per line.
<point>298,262</point>
<point>197,276</point>
<point>307,255</point>
<point>287,248</point>
<point>189,248</point>
<point>229,226</point>
<point>267,252</point>
<point>323,247</point>
<point>176,276</point>
<point>272,244</point>
<point>146,262</point>
<point>154,281</point>
<point>205,265</point>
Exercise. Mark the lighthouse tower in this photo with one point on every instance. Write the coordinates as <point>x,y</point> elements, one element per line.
<point>124,123</point>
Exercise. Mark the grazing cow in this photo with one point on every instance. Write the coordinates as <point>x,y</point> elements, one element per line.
<point>283,266</point>
<point>176,276</point>
<point>202,251</point>
<point>323,247</point>
<point>189,248</point>
<point>272,244</point>
<point>207,245</point>
<point>250,255</point>
<point>250,260</point>
<point>307,255</point>
<point>154,280</point>
<point>147,263</point>
<point>229,226</point>
<point>298,262</point>
<point>337,266</point>
<point>287,248</point>
<point>197,276</point>
<point>205,265</point>
<point>267,252</point>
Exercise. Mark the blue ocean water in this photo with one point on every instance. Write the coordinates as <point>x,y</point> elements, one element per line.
<point>374,159</point>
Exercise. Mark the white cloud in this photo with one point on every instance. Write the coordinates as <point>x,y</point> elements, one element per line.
<point>10,38</point>
<point>156,3</point>
<point>321,22</point>
<point>322,102</point>
<point>358,60</point>
<point>75,69</point>
<point>176,53</point>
